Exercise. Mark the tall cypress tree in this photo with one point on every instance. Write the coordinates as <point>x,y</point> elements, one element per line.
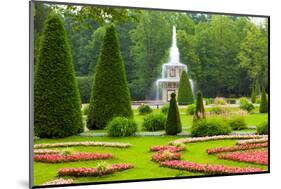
<point>199,110</point>
<point>185,95</point>
<point>253,95</point>
<point>173,123</point>
<point>257,88</point>
<point>264,103</point>
<point>110,94</point>
<point>56,97</point>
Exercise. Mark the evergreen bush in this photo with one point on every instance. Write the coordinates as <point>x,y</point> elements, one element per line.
<point>57,104</point>
<point>144,109</point>
<point>210,126</point>
<point>246,105</point>
<point>199,110</point>
<point>237,122</point>
<point>154,122</point>
<point>165,109</point>
<point>253,95</point>
<point>185,95</point>
<point>264,103</point>
<point>121,126</point>
<point>110,94</point>
<point>262,129</point>
<point>173,123</point>
<point>191,109</point>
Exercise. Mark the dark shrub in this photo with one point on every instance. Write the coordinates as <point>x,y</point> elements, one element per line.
<point>231,101</point>
<point>110,95</point>
<point>262,129</point>
<point>57,104</point>
<point>246,105</point>
<point>165,109</point>
<point>209,127</point>
<point>237,122</point>
<point>264,103</point>
<point>144,109</point>
<point>121,126</point>
<point>173,123</point>
<point>154,122</point>
<point>85,86</point>
<point>199,110</point>
<point>191,109</point>
<point>185,95</point>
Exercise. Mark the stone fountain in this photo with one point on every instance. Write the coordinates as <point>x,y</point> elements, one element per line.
<point>171,72</point>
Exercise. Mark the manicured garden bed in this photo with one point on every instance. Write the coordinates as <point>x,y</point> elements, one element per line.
<point>139,155</point>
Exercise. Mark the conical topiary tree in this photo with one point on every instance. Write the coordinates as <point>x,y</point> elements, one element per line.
<point>264,103</point>
<point>173,123</point>
<point>56,96</point>
<point>257,88</point>
<point>199,110</point>
<point>253,95</point>
<point>110,94</point>
<point>185,95</point>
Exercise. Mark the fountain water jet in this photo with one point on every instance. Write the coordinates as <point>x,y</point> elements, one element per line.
<point>171,72</point>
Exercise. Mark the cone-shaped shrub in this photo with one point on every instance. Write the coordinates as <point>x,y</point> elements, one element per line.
<point>110,94</point>
<point>173,124</point>
<point>257,88</point>
<point>56,96</point>
<point>264,103</point>
<point>185,95</point>
<point>199,110</point>
<point>253,95</point>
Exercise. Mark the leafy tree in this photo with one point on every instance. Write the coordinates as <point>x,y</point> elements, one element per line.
<point>199,110</point>
<point>110,94</point>
<point>173,124</point>
<point>264,103</point>
<point>56,97</point>
<point>185,95</point>
<point>85,86</point>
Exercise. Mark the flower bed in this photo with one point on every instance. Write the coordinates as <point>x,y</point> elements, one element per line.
<point>205,168</point>
<point>237,148</point>
<point>251,141</point>
<point>170,148</point>
<point>46,151</point>
<point>87,143</point>
<point>93,172</point>
<point>165,155</point>
<point>58,182</point>
<point>220,137</point>
<point>257,157</point>
<point>58,158</point>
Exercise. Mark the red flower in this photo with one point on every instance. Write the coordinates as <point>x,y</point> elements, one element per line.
<point>170,148</point>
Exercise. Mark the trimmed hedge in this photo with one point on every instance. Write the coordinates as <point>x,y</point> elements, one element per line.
<point>185,95</point>
<point>191,109</point>
<point>237,122</point>
<point>144,109</point>
<point>154,122</point>
<point>85,86</point>
<point>121,126</point>
<point>57,102</point>
<point>173,123</point>
<point>210,126</point>
<point>110,94</point>
<point>262,129</point>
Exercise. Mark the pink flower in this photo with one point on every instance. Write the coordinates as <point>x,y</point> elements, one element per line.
<point>205,168</point>
<point>257,157</point>
<point>57,158</point>
<point>83,172</point>
<point>237,148</point>
<point>170,148</point>
<point>165,155</point>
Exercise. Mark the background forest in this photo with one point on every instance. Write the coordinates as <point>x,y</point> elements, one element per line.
<point>226,55</point>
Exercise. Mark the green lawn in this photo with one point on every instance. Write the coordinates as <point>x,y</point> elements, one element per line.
<point>138,155</point>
